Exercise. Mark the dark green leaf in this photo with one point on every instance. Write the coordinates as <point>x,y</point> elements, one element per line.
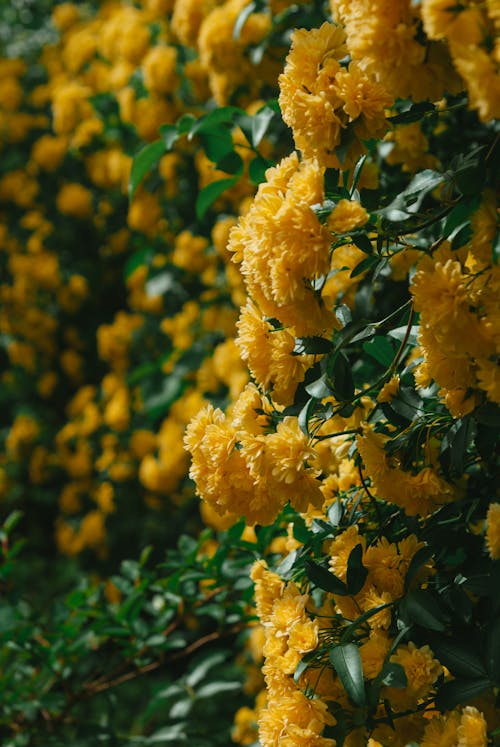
<point>306,413</point>
<point>312,346</point>
<point>458,657</point>
<point>347,139</point>
<point>346,661</point>
<point>366,264</point>
<point>394,675</point>
<point>343,382</point>
<point>356,572</point>
<point>363,242</point>
<point>217,143</point>
<point>324,579</point>
<point>460,214</point>
<point>231,163</point>
<point>413,114</point>
<point>257,169</point>
<point>423,609</point>
<point>462,236</point>
<point>319,388</point>
<point>331,180</point>
<point>186,123</point>
<point>460,691</point>
<point>209,194</point>
<point>470,177</point>
<point>488,415</point>
<point>493,649</point>
<point>420,558</point>
<point>143,163</point>
<point>357,172</point>
<point>380,349</point>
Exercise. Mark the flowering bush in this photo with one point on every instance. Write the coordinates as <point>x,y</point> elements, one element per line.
<point>250,251</point>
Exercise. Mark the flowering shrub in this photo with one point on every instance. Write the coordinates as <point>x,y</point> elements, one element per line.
<point>250,251</point>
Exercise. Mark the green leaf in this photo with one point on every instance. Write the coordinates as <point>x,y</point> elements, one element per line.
<point>493,649</point>
<point>159,403</point>
<point>356,572</point>
<point>357,172</point>
<point>312,346</point>
<point>324,579</point>
<point>305,414</point>
<point>319,388</point>
<point>470,177</point>
<point>12,521</point>
<point>260,124</point>
<point>343,382</point>
<point>380,349</point>
<point>257,169</point>
<point>209,194</point>
<point>170,135</point>
<point>423,609</point>
<point>335,512</point>
<point>242,19</point>
<point>459,658</point>
<point>348,138</point>
<point>460,691</point>
<point>215,688</point>
<point>346,661</point>
<point>231,163</point>
<point>460,214</point>
<point>343,314</point>
<point>462,236</point>
<point>420,558</point>
<point>186,123</point>
<point>363,242</point>
<point>413,114</point>
<point>224,115</point>
<point>366,264</point>
<point>394,675</point>
<point>143,163</point>
<point>217,143</point>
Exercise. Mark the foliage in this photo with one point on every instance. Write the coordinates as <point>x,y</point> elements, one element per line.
<point>264,233</point>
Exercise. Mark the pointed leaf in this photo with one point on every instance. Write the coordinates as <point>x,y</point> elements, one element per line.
<point>143,163</point>
<point>346,661</point>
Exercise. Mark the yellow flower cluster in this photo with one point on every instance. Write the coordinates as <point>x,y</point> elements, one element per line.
<point>289,718</point>
<point>456,293</point>
<point>319,99</point>
<point>471,31</point>
<point>383,38</point>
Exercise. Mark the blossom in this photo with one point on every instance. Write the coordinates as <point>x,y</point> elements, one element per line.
<point>493,530</point>
<point>472,729</point>
<point>346,216</point>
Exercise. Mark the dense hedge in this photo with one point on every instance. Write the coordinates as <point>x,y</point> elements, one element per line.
<point>249,254</point>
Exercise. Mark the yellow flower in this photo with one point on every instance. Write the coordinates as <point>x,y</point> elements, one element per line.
<point>389,390</point>
<point>341,548</point>
<point>493,530</point>
<point>159,69</point>
<point>373,652</point>
<point>421,669</point>
<point>75,200</point>
<point>441,731</point>
<point>472,729</point>
<point>346,216</point>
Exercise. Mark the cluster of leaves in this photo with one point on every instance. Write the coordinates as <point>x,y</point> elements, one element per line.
<point>70,665</point>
